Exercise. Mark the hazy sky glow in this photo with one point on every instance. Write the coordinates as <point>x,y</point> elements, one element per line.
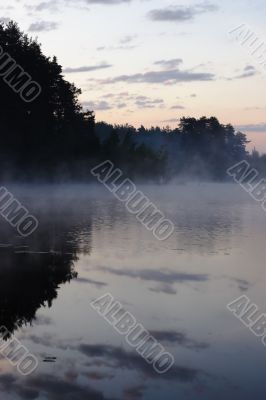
<point>151,62</point>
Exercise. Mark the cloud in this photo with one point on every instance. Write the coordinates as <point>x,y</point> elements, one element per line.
<point>180,13</point>
<point>121,105</point>
<point>43,26</point>
<point>252,127</point>
<point>248,71</point>
<point>256,108</point>
<point>169,64</point>
<point>87,68</point>
<point>170,120</point>
<point>54,5</point>
<point>163,77</point>
<point>119,47</point>
<point>43,6</point>
<point>177,107</point>
<point>107,2</point>
<point>145,102</point>
<point>94,105</point>
<point>85,3</point>
<point>127,39</point>
<point>117,101</point>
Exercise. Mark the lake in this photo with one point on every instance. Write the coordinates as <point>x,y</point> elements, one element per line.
<point>87,245</point>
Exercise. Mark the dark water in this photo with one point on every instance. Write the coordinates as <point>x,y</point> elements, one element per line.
<point>86,245</point>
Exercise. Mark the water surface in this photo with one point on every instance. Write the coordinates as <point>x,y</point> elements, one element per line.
<point>87,244</point>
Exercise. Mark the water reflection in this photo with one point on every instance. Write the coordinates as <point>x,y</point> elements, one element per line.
<point>28,281</point>
<point>87,239</point>
<point>32,269</point>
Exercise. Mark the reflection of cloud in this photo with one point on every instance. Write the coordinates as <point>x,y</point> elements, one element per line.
<point>71,375</point>
<point>242,284</point>
<point>50,340</point>
<point>9,384</point>
<point>133,393</point>
<point>46,339</point>
<point>179,338</point>
<point>49,387</point>
<point>164,288</point>
<point>43,320</point>
<point>91,281</point>
<point>119,358</point>
<point>61,389</point>
<point>98,376</point>
<point>166,276</point>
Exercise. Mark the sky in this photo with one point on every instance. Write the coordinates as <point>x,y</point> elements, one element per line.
<point>151,62</point>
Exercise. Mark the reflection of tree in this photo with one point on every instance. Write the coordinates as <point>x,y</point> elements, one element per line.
<point>32,269</point>
<point>29,281</point>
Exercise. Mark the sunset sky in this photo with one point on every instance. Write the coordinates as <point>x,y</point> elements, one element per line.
<point>151,62</point>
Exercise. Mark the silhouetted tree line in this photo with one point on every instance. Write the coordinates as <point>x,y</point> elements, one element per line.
<point>47,136</point>
<point>53,138</point>
<point>201,148</point>
<point>258,162</point>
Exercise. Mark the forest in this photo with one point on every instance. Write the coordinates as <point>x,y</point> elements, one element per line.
<point>54,139</point>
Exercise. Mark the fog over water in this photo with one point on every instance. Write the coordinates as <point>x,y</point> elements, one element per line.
<point>88,244</point>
